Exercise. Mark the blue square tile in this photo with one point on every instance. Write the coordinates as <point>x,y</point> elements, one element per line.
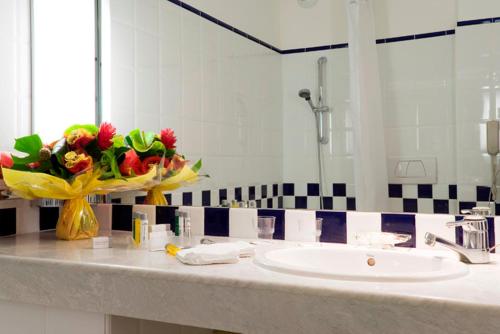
<point>187,198</point>
<point>328,203</point>
<point>313,189</point>
<point>441,206</point>
<point>279,227</point>
<point>452,191</point>
<point>400,223</point>
<point>459,232</point>
<point>251,193</point>
<point>217,222</point>
<point>491,232</point>
<point>270,203</point>
<point>410,205</point>
<point>166,215</point>
<point>116,201</point>
<point>425,191</point>
<point>121,218</point>
<point>7,221</point>
<point>334,227</point>
<point>263,191</point>
<point>466,205</point>
<point>288,189</point>
<point>300,202</point>
<point>395,190</point>
<point>140,199</point>
<point>482,194</point>
<point>48,218</point>
<point>258,203</point>
<point>275,190</point>
<point>238,194</point>
<point>280,202</point>
<point>351,203</point>
<point>168,197</point>
<point>339,189</point>
<point>222,195</point>
<point>206,198</point>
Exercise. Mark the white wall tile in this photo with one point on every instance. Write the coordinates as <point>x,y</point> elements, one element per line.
<point>434,224</point>
<point>359,222</point>
<point>300,225</point>
<point>149,210</point>
<point>243,223</point>
<point>197,215</point>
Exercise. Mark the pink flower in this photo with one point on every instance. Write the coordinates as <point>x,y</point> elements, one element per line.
<point>105,136</point>
<point>168,138</point>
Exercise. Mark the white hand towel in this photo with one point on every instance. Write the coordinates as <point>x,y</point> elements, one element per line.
<point>215,253</point>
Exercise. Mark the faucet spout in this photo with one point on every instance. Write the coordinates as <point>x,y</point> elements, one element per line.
<point>467,255</point>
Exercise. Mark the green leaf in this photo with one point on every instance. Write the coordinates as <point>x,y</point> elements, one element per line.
<point>30,145</point>
<point>89,127</point>
<point>118,141</point>
<point>145,142</point>
<point>197,166</point>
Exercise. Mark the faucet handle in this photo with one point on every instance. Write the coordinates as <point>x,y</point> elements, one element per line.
<point>477,210</point>
<point>467,221</point>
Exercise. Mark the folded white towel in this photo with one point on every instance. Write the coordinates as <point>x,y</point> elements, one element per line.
<point>215,253</point>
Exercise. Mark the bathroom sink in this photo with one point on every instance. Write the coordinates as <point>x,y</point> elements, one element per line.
<point>361,264</point>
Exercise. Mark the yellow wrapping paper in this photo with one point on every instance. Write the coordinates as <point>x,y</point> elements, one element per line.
<point>77,220</point>
<point>155,194</point>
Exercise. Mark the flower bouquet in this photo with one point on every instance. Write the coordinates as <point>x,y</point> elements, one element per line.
<point>149,148</point>
<point>86,160</point>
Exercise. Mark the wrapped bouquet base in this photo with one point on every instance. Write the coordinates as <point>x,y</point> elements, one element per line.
<point>185,176</point>
<point>77,221</point>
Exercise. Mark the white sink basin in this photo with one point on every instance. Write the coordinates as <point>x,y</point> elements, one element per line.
<point>361,264</point>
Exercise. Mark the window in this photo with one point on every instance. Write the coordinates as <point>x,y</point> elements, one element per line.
<point>64,81</point>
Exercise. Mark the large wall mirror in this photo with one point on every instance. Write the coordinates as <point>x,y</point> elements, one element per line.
<point>295,106</point>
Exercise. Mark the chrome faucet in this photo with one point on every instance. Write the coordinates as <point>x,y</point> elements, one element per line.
<point>476,247</point>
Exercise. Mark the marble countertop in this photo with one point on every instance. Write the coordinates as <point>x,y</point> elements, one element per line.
<point>242,297</point>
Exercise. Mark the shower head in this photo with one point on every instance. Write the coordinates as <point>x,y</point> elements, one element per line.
<point>305,94</point>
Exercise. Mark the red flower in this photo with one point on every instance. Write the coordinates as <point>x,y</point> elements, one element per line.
<point>76,163</point>
<point>105,135</point>
<point>131,164</point>
<point>5,161</point>
<point>149,161</point>
<point>78,139</point>
<point>168,138</point>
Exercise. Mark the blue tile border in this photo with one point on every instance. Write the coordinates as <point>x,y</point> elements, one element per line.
<point>478,21</point>
<point>332,46</point>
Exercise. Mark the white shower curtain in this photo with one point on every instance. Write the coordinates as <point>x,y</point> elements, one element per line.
<point>370,171</point>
